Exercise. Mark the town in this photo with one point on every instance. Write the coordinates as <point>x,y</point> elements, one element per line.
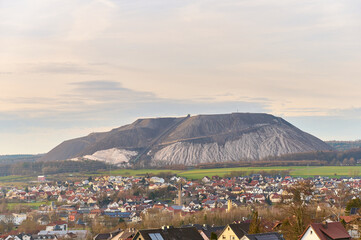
<point>159,207</point>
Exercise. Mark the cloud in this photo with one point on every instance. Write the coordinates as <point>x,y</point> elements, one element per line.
<point>110,92</point>
<point>63,68</point>
<point>97,101</point>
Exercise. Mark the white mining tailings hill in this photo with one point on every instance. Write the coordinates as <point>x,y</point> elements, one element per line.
<point>191,140</point>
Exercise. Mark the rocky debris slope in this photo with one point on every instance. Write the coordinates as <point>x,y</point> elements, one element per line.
<point>193,140</point>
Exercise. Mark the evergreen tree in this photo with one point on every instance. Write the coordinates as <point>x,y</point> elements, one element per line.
<point>354,203</point>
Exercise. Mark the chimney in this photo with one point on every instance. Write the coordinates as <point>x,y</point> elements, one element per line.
<point>325,224</point>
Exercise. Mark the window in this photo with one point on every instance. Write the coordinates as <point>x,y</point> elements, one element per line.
<point>155,236</point>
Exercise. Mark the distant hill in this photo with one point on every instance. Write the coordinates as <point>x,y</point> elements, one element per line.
<point>191,141</point>
<point>344,145</point>
<point>8,159</point>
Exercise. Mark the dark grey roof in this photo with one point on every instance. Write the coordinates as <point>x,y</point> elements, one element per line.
<point>240,229</point>
<point>110,235</point>
<point>265,236</point>
<point>102,236</point>
<point>187,233</point>
<point>207,229</point>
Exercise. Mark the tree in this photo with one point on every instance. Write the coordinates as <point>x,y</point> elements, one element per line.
<point>299,214</point>
<point>29,226</point>
<point>353,203</point>
<point>103,200</point>
<point>345,162</point>
<point>268,200</point>
<point>255,226</point>
<point>3,206</point>
<point>334,162</point>
<point>213,236</point>
<point>342,196</point>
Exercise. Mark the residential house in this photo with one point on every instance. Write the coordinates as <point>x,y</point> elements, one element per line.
<point>169,233</point>
<point>325,231</point>
<point>127,234</point>
<point>207,230</point>
<point>234,231</point>
<point>107,236</point>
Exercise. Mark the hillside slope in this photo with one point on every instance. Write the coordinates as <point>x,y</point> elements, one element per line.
<point>193,140</point>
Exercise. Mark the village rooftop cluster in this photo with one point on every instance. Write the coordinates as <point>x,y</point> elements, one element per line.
<point>69,208</point>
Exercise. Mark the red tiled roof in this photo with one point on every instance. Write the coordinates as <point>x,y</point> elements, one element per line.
<point>348,219</point>
<point>333,230</point>
<point>57,223</point>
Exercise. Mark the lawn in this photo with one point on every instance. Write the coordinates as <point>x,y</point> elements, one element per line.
<point>140,172</point>
<point>195,173</point>
<point>16,178</point>
<point>329,171</point>
<point>33,205</point>
<point>295,171</point>
<point>200,173</point>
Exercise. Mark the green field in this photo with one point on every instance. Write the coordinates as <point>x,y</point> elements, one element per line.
<point>15,178</point>
<point>330,171</point>
<point>33,205</point>
<point>298,171</point>
<point>295,171</point>
<point>140,172</point>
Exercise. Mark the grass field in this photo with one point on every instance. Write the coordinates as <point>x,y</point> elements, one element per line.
<point>140,172</point>
<point>15,178</point>
<point>16,181</point>
<point>329,171</point>
<point>34,205</point>
<point>298,171</point>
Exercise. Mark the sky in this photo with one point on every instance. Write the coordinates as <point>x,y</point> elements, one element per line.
<point>72,67</point>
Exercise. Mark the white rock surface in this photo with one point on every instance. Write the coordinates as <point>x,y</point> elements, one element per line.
<point>266,141</point>
<point>113,156</point>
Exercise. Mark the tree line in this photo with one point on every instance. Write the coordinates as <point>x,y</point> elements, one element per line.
<point>52,167</point>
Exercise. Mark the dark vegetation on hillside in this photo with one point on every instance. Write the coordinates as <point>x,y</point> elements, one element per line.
<point>9,159</point>
<point>349,157</point>
<point>54,167</point>
<point>344,145</point>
